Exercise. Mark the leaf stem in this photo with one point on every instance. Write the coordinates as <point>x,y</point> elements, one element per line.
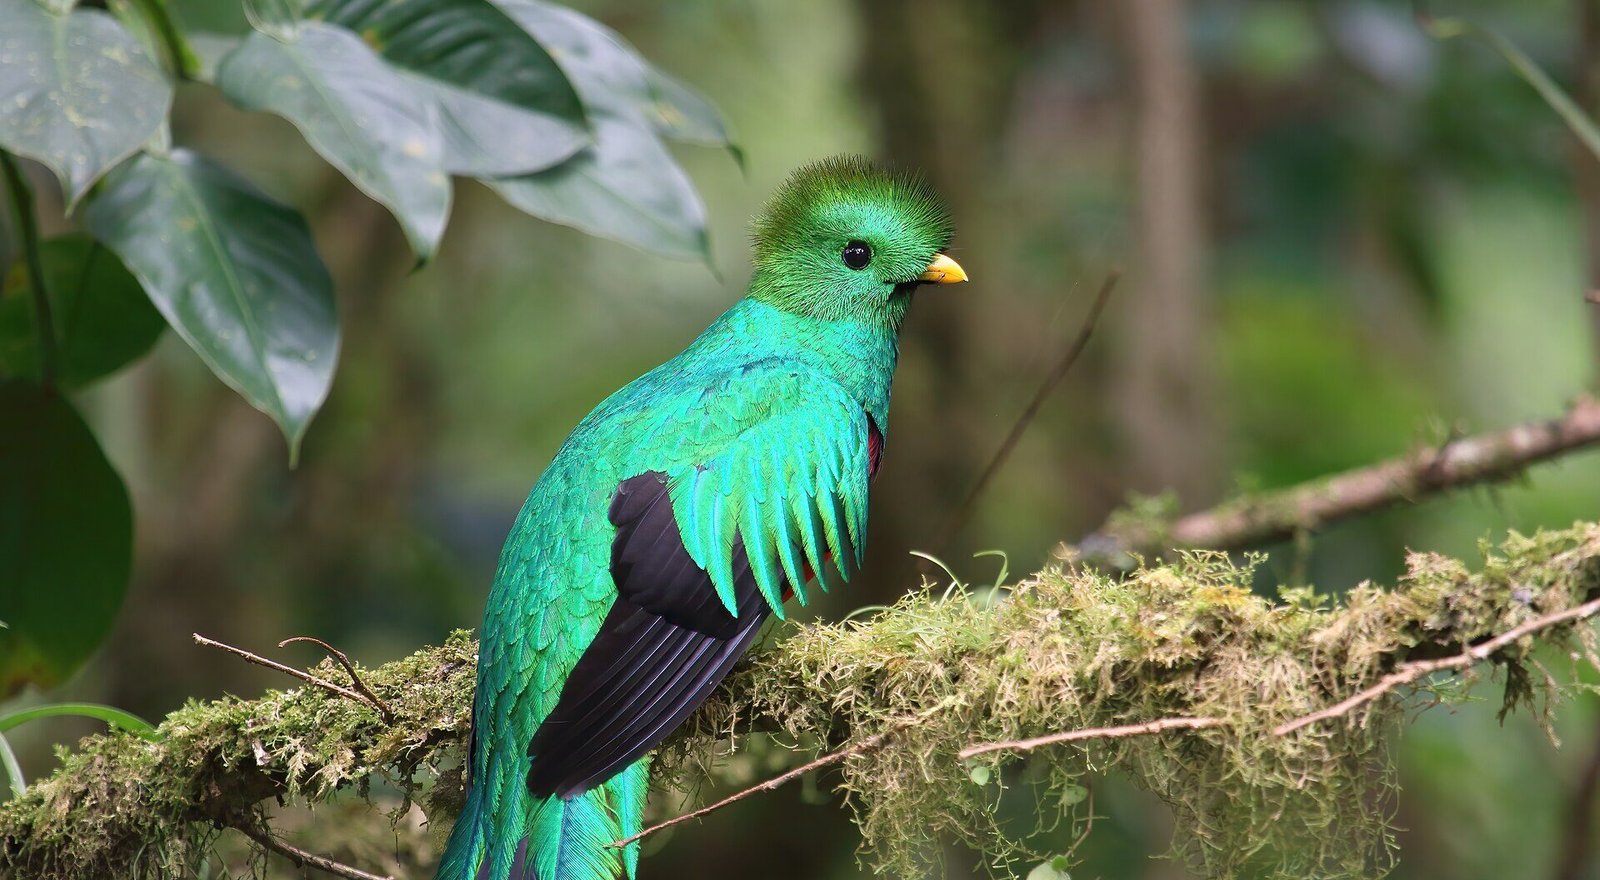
<point>13,769</point>
<point>180,59</point>
<point>109,714</point>
<point>27,230</point>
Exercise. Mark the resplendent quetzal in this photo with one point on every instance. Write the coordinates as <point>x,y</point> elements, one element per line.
<point>678,515</point>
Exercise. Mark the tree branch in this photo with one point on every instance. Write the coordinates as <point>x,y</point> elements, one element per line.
<point>1146,729</point>
<point>1272,516</point>
<point>1408,673</point>
<point>115,802</point>
<point>301,858</point>
<point>307,677</point>
<point>1414,670</point>
<point>343,659</point>
<point>863,746</point>
<point>1071,649</point>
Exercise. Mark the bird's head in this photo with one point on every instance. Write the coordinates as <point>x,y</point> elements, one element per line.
<point>843,240</point>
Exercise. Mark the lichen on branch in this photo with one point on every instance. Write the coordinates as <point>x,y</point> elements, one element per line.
<point>941,671</point>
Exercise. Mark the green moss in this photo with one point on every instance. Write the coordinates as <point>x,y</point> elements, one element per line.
<point>1067,649</point>
<point>1073,649</point>
<point>123,807</point>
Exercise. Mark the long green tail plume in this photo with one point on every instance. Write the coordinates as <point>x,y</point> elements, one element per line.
<point>503,834</point>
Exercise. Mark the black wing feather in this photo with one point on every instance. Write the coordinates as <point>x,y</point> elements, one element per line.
<point>666,643</point>
<point>670,697</point>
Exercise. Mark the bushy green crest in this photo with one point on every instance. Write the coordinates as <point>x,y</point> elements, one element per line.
<point>819,195</point>
<point>828,205</point>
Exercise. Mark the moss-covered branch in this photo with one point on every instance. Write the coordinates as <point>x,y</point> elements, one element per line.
<point>124,807</point>
<point>1066,649</point>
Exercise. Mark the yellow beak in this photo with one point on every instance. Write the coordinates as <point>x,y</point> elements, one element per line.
<point>943,270</point>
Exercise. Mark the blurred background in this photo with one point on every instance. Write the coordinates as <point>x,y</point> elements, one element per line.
<point>1341,239</point>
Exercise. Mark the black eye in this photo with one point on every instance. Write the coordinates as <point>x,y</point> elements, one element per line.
<point>857,255</point>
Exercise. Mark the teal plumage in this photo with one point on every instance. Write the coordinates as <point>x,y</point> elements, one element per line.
<point>677,515</point>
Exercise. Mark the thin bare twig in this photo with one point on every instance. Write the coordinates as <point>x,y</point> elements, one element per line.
<point>1123,730</point>
<point>1417,669</point>
<point>871,743</point>
<point>286,670</point>
<point>1271,516</point>
<point>302,858</point>
<point>344,660</point>
<point>860,747</point>
<point>1051,380</point>
<point>1088,824</point>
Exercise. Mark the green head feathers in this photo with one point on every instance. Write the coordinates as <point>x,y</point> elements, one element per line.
<point>842,240</point>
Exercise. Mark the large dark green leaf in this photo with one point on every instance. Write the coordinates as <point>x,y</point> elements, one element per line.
<point>504,106</point>
<point>66,538</point>
<point>235,274</point>
<point>77,92</point>
<point>626,186</point>
<point>611,74</point>
<point>355,111</point>
<point>103,320</point>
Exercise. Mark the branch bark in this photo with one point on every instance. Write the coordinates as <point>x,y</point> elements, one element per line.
<point>1273,516</point>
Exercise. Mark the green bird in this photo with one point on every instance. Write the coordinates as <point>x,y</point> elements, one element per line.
<point>679,514</point>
